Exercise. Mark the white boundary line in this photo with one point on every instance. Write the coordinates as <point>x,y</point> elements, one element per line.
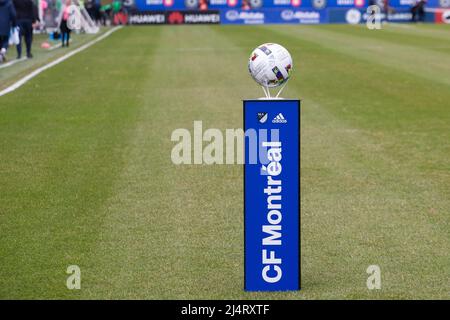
<point>57,46</point>
<point>54,47</point>
<point>12,62</point>
<point>33,74</point>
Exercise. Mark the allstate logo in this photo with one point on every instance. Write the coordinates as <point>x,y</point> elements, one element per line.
<point>232,15</point>
<point>444,3</point>
<point>353,16</point>
<point>319,4</point>
<point>287,15</point>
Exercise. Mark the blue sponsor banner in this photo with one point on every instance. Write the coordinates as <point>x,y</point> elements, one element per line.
<point>298,16</point>
<point>290,11</point>
<point>272,195</point>
<point>356,16</point>
<point>274,16</point>
<point>235,16</point>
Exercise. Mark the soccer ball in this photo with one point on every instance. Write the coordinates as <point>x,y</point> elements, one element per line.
<point>270,65</point>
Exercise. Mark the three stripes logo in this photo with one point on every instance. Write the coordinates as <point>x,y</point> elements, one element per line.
<point>279,119</point>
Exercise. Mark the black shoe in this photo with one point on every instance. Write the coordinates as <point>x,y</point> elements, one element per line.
<point>29,56</point>
<point>19,57</point>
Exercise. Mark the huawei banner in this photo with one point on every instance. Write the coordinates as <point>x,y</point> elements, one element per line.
<point>174,17</point>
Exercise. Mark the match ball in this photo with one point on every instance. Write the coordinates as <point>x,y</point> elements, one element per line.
<point>270,65</point>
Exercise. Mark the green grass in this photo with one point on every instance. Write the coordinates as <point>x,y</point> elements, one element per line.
<point>86,176</point>
<point>9,75</point>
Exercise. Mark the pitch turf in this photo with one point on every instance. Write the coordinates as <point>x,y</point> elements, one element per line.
<point>86,176</point>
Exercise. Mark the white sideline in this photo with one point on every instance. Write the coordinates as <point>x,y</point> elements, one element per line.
<point>10,63</point>
<point>33,74</point>
<point>54,47</point>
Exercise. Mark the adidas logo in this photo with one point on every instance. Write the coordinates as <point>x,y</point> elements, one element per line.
<point>279,119</point>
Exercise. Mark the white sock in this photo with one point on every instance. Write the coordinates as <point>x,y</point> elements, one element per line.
<point>3,51</point>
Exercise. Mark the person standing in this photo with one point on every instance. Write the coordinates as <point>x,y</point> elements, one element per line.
<point>65,30</point>
<point>90,8</point>
<point>418,10</point>
<point>27,16</point>
<point>7,20</point>
<point>421,10</point>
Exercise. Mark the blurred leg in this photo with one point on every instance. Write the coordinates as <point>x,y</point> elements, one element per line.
<point>28,37</point>
<point>4,42</point>
<point>21,34</point>
<point>3,47</point>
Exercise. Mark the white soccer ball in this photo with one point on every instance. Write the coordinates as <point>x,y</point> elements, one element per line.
<point>270,65</point>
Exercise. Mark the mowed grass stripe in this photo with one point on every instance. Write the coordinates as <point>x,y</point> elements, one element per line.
<point>41,57</point>
<point>390,104</point>
<point>394,35</point>
<point>440,34</point>
<point>419,62</point>
<point>363,198</point>
<point>432,31</point>
<point>63,136</point>
<point>176,231</point>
